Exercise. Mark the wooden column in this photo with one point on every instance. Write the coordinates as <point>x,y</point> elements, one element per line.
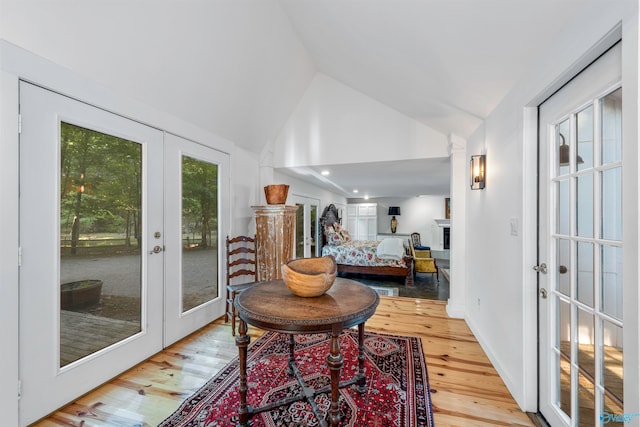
<point>275,239</point>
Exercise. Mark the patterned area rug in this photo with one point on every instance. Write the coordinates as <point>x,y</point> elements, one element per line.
<point>397,384</point>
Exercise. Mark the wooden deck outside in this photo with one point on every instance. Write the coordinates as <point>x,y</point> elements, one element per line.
<point>82,334</point>
<point>466,389</point>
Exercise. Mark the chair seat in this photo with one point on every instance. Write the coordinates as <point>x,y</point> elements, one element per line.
<point>423,262</point>
<point>425,265</point>
<point>239,287</point>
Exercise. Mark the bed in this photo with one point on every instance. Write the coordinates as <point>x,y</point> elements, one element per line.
<point>360,256</point>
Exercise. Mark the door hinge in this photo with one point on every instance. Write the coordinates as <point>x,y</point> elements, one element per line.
<point>19,256</point>
<point>19,389</point>
<point>19,124</point>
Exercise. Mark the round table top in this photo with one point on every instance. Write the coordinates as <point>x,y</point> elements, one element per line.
<point>272,306</point>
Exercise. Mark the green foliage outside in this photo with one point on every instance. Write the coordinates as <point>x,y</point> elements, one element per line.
<point>199,202</point>
<point>101,194</point>
<point>100,187</point>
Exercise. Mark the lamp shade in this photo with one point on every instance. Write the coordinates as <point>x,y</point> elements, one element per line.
<point>394,210</point>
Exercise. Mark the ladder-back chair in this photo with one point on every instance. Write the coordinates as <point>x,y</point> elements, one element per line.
<point>241,263</point>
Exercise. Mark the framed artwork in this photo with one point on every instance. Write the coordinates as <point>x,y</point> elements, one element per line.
<point>447,208</point>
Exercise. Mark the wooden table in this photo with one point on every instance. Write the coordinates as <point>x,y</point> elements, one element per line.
<point>271,306</point>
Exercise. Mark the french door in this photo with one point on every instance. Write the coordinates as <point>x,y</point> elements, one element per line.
<point>119,245</point>
<point>194,212</point>
<point>306,226</point>
<point>581,243</point>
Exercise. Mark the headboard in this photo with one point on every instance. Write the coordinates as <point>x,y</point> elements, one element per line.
<point>329,217</point>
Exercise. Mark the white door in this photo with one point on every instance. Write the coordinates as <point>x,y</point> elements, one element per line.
<point>306,226</point>
<point>581,243</point>
<point>196,177</point>
<point>91,208</point>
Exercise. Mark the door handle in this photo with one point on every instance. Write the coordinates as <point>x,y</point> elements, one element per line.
<point>543,293</point>
<point>156,250</point>
<point>542,268</point>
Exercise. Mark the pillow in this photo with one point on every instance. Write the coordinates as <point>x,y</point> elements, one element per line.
<point>333,237</point>
<point>342,232</point>
<point>390,248</point>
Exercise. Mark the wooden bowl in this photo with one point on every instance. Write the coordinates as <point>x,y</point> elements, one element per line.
<point>310,277</point>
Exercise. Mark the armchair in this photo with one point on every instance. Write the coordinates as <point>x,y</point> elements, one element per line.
<point>423,262</point>
<point>415,242</point>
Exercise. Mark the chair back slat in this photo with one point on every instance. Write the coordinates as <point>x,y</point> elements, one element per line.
<point>243,272</point>
<point>241,257</point>
<point>242,261</point>
<point>241,250</point>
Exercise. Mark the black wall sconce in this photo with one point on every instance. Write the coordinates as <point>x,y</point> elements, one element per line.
<point>563,153</point>
<point>394,210</point>
<point>478,171</point>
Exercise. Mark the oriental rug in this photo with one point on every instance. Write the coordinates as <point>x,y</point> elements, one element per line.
<point>397,384</point>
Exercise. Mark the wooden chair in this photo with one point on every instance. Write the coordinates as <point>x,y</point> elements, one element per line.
<point>423,262</point>
<point>241,262</point>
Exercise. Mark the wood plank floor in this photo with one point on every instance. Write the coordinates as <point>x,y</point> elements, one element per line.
<point>466,389</point>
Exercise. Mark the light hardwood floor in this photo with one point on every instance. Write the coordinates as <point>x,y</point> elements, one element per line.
<point>466,389</point>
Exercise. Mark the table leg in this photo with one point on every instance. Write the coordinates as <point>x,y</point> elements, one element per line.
<point>242,342</point>
<point>361,384</point>
<point>335,362</point>
<point>292,358</point>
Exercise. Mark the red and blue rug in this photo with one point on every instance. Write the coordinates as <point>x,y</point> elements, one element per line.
<point>397,384</point>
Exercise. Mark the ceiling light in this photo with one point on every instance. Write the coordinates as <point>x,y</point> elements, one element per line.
<point>325,172</point>
<point>355,191</point>
<point>366,197</point>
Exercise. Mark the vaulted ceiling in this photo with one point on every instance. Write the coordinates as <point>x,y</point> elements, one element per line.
<point>239,67</point>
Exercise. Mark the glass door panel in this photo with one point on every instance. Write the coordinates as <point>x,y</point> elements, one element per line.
<point>100,241</point>
<point>300,238</point>
<point>306,226</point>
<point>200,232</point>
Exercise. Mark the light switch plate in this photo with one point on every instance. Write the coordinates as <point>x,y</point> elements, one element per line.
<point>514,226</point>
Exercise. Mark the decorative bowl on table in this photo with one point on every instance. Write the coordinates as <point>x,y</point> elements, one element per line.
<point>310,277</point>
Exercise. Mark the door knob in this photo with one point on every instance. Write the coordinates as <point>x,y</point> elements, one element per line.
<point>156,250</point>
<point>543,293</point>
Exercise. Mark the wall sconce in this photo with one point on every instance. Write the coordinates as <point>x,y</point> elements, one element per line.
<point>478,171</point>
<point>394,210</point>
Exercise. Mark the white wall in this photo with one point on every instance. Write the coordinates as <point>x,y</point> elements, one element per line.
<point>332,123</point>
<point>8,249</point>
<point>302,188</point>
<point>417,215</point>
<point>245,191</point>
<point>501,286</point>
